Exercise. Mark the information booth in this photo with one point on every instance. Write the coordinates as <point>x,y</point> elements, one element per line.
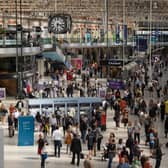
<point>79,104</point>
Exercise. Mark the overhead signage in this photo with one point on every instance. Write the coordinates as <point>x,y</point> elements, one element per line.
<point>112,62</point>
<point>26,131</point>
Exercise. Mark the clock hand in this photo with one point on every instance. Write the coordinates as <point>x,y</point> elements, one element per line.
<point>62,26</point>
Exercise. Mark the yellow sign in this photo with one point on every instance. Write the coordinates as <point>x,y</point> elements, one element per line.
<point>166,106</point>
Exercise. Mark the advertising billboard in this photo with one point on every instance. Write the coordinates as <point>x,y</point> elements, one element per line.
<point>2,93</point>
<point>26,131</point>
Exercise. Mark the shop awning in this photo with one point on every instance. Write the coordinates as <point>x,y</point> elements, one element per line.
<point>54,56</point>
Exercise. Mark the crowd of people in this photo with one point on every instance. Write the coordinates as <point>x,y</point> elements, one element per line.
<point>129,107</point>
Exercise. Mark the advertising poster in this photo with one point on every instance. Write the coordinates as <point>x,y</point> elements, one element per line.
<point>76,63</point>
<point>102,92</point>
<point>25,131</point>
<point>2,93</point>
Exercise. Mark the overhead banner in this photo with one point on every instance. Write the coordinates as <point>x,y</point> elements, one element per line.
<point>26,131</point>
<point>125,34</point>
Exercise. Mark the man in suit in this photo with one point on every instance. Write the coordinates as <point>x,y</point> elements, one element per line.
<point>76,148</point>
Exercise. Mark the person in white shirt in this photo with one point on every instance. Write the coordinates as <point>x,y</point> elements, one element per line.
<point>53,122</point>
<point>57,137</point>
<point>137,130</point>
<point>16,116</point>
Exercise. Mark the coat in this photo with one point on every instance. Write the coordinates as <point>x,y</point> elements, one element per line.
<point>76,146</point>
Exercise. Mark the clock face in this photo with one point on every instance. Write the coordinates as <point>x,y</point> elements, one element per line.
<point>57,24</point>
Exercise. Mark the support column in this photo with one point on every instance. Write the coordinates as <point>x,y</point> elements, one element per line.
<point>1,149</point>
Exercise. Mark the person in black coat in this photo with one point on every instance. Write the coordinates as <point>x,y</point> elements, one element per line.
<point>158,156</point>
<point>162,111</point>
<point>117,113</point>
<point>76,148</point>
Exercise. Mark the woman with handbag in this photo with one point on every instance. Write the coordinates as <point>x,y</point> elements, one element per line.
<point>42,150</point>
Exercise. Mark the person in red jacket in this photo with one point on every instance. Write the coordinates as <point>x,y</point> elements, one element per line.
<point>103,121</point>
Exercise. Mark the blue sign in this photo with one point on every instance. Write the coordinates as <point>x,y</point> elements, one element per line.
<point>88,37</point>
<point>26,131</point>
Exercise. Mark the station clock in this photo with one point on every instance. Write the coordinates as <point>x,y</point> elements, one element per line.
<point>59,23</point>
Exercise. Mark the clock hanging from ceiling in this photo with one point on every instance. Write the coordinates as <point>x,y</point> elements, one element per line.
<point>59,23</point>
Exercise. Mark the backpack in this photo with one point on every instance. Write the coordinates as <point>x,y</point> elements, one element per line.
<point>90,139</point>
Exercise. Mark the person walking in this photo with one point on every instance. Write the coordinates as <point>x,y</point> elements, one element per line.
<point>158,156</point>
<point>83,129</point>
<point>57,137</point>
<point>41,144</point>
<point>90,141</point>
<point>162,111</point>
<point>76,149</point>
<point>137,130</point>
<point>10,125</point>
<point>111,149</point>
<point>117,113</point>
<point>68,140</point>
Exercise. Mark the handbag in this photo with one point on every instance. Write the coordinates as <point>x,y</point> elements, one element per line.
<point>60,144</point>
<point>44,156</point>
<point>82,156</point>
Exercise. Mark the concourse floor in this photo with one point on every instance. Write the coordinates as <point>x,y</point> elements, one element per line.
<point>26,157</point>
<point>19,157</point>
